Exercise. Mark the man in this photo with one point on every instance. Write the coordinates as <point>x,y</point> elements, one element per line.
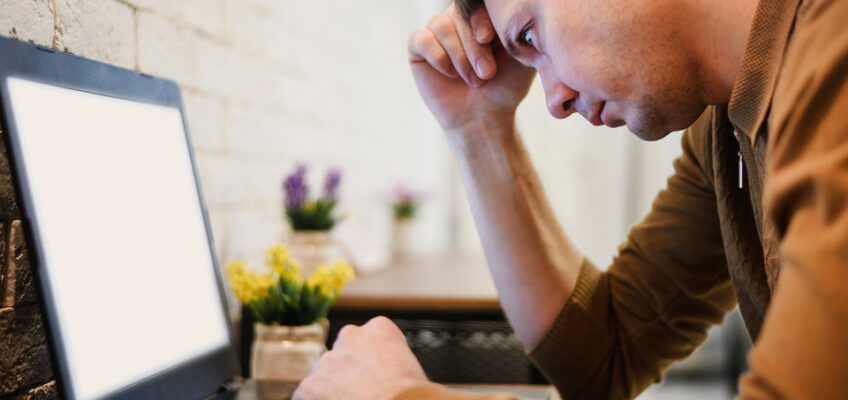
<point>756,212</point>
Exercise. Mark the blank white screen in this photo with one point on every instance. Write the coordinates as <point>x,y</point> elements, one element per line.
<point>121,226</point>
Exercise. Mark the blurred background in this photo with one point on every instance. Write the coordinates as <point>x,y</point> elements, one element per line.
<point>268,84</point>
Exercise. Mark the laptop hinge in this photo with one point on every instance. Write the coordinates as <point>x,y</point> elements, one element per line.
<point>231,385</point>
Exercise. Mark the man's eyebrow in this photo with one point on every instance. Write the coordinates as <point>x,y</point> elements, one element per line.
<point>509,40</point>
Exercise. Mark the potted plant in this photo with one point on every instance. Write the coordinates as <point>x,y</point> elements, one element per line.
<point>405,208</point>
<point>312,219</point>
<point>290,311</point>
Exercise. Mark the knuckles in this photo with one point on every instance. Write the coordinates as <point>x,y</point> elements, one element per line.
<point>307,389</point>
<point>346,333</point>
<point>440,23</point>
<point>384,324</point>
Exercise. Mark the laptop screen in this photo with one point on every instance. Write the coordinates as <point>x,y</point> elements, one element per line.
<point>124,242</point>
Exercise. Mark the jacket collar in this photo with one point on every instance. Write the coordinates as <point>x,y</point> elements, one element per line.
<point>757,76</point>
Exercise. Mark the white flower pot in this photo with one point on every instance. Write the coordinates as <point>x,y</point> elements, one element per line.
<point>403,241</point>
<point>313,248</point>
<point>286,353</point>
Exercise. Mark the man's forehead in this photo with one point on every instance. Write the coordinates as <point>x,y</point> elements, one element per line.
<point>504,15</point>
<point>502,11</point>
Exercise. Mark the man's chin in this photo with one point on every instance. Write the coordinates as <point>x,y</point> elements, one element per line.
<point>648,134</point>
<point>650,124</point>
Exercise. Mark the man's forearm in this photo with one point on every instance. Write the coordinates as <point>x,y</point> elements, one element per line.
<point>533,262</point>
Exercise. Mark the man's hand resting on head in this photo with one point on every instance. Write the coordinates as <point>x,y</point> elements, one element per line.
<point>368,362</point>
<point>464,74</point>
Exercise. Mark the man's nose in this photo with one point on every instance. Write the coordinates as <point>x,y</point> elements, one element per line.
<point>560,98</point>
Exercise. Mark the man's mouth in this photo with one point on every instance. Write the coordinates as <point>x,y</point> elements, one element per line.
<point>596,117</point>
<point>609,119</point>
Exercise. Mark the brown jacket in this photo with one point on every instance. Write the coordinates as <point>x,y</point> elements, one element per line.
<point>709,243</point>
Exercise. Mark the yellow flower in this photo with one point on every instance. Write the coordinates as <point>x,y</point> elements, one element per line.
<point>281,262</point>
<point>248,284</point>
<point>331,277</point>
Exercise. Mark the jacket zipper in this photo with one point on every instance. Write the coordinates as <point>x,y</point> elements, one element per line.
<point>741,171</point>
<point>741,161</point>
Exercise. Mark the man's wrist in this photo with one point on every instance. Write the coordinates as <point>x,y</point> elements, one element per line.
<point>481,133</point>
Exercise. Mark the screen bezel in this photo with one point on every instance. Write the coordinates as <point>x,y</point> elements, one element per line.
<point>196,378</point>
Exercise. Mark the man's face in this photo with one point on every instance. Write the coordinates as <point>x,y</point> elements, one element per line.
<point>615,62</point>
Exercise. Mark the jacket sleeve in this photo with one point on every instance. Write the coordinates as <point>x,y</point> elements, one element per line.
<point>802,351</point>
<point>621,329</point>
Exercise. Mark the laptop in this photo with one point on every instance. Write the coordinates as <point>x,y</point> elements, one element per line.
<point>119,236</point>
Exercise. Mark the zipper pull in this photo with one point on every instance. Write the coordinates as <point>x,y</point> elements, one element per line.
<point>741,171</point>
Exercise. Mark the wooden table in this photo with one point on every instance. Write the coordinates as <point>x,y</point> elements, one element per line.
<point>444,283</point>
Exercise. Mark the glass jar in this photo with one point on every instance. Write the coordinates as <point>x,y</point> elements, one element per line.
<point>286,353</point>
<point>313,248</point>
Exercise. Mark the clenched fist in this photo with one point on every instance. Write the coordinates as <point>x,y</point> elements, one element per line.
<point>371,362</point>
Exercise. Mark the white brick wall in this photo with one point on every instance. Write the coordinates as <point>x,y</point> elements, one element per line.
<point>266,84</point>
<point>28,20</point>
<point>99,29</point>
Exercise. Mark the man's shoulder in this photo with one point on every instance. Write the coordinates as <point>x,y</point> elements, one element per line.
<point>816,59</point>
<point>820,24</point>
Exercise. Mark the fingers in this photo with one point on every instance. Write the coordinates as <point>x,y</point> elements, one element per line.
<point>482,27</point>
<point>383,324</point>
<point>423,46</point>
<point>345,335</point>
<point>445,30</point>
<point>454,48</point>
<point>475,41</point>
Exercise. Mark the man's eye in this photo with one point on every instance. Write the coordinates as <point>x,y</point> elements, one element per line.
<point>528,38</point>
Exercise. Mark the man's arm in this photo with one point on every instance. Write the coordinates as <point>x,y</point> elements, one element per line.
<point>533,262</point>
<point>621,329</point>
<point>802,351</point>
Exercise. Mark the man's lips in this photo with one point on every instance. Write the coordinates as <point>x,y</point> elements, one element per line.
<point>595,117</point>
<point>609,118</point>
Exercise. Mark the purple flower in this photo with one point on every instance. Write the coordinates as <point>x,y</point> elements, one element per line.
<point>331,184</point>
<point>405,195</point>
<point>295,188</point>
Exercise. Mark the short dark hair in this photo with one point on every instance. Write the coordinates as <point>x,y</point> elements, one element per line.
<point>467,7</point>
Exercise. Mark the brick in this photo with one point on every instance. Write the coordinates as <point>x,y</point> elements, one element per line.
<point>251,231</point>
<point>47,391</point>
<point>165,49</point>
<point>222,179</point>
<point>256,134</point>
<point>264,179</point>
<point>30,21</point>
<point>206,16</point>
<point>263,29</point>
<point>3,244</point>
<point>103,30</point>
<point>19,282</point>
<point>8,198</point>
<point>205,116</point>
<point>218,220</point>
<point>24,358</point>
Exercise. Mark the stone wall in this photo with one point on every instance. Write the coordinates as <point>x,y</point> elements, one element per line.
<point>25,371</point>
